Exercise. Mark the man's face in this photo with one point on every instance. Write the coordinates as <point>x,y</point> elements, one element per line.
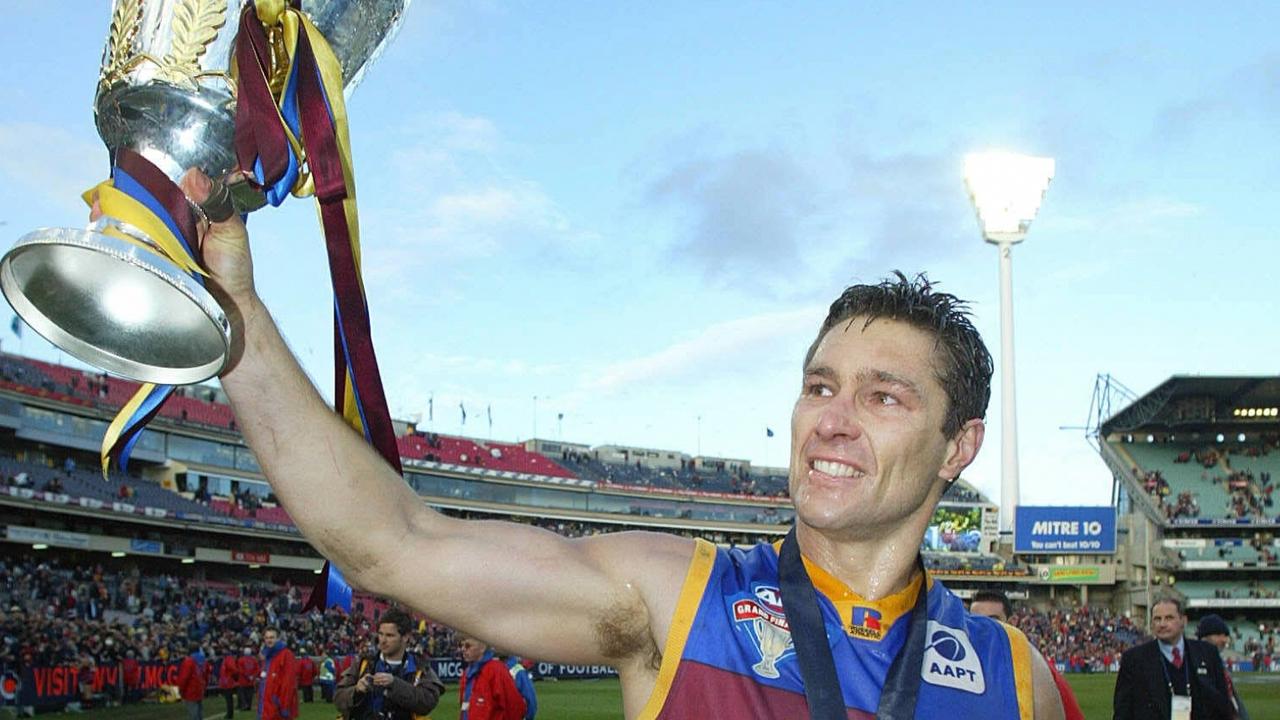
<point>269,638</point>
<point>867,449</point>
<point>390,642</point>
<point>472,649</point>
<point>1167,623</point>
<point>988,608</point>
<point>1219,641</point>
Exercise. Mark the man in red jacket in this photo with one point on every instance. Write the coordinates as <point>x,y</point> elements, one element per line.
<point>229,681</point>
<point>248,677</point>
<point>191,683</point>
<point>278,695</point>
<point>487,691</point>
<point>306,674</point>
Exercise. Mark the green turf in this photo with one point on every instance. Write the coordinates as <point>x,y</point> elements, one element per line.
<point>601,700</point>
<point>1260,692</point>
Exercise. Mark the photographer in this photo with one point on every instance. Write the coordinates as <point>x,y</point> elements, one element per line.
<point>392,684</point>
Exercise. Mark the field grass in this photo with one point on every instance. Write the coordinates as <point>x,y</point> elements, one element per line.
<point>601,699</point>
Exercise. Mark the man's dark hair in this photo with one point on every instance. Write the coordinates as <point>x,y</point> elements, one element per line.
<point>1173,600</point>
<point>397,617</point>
<point>964,364</point>
<point>994,596</point>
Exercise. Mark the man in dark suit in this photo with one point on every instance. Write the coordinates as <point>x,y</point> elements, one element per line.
<point>1171,677</point>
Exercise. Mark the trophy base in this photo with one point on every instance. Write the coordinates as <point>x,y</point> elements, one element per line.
<point>116,305</point>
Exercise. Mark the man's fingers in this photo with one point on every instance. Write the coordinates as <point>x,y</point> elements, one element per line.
<point>196,185</point>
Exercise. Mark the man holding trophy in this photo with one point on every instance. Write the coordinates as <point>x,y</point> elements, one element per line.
<point>876,438</point>
<point>840,620</point>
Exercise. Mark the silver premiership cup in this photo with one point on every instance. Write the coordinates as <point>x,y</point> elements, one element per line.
<point>164,91</point>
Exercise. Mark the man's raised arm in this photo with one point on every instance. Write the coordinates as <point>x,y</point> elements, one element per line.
<point>606,599</point>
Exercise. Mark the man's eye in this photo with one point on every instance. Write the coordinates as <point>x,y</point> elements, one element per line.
<point>818,389</point>
<point>884,398</point>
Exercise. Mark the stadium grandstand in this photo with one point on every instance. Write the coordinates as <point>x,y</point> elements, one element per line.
<point>1194,463</point>
<point>190,543</point>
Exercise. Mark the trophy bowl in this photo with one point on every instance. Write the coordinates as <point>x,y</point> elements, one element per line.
<point>104,293</point>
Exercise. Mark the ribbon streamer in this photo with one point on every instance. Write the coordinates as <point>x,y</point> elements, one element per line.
<point>141,195</point>
<point>296,142</point>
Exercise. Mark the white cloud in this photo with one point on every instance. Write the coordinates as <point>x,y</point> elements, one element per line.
<point>1138,216</point>
<point>468,205</point>
<point>724,345</point>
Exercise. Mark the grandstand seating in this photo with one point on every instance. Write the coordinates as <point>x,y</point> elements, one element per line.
<point>515,458</point>
<point>196,406</point>
<point>1230,589</point>
<point>1217,495</point>
<point>1232,550</point>
<point>88,388</point>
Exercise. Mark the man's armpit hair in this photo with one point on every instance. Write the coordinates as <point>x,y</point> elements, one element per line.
<point>624,632</point>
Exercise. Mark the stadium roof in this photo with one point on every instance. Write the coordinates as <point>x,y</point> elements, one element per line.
<point>1196,400</point>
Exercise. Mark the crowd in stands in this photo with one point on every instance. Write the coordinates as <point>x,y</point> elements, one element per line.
<point>65,613</point>
<point>1248,491</point>
<point>1081,639</point>
<point>53,612</point>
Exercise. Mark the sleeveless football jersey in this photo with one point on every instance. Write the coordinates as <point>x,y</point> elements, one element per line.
<point>729,653</point>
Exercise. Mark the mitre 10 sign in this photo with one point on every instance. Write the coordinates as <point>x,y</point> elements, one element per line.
<point>1064,530</point>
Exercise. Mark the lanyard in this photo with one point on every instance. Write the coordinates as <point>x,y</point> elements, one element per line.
<point>813,653</point>
<point>1186,672</point>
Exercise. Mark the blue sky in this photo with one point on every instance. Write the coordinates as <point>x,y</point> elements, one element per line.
<point>638,215</point>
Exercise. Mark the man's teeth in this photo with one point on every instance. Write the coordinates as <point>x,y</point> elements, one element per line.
<point>836,469</point>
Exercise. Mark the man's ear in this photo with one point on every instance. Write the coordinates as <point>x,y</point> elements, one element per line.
<point>962,449</point>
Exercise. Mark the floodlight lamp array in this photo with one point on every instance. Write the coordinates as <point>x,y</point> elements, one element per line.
<point>1006,190</point>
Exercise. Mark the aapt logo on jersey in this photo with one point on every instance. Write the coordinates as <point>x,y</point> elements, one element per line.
<point>951,661</point>
<point>762,617</point>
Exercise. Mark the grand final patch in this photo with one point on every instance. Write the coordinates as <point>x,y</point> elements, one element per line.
<point>951,661</point>
<point>762,617</point>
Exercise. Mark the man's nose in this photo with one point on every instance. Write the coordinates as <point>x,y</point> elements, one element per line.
<point>840,418</point>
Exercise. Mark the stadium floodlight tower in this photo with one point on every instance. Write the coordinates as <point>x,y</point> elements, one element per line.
<point>1006,190</point>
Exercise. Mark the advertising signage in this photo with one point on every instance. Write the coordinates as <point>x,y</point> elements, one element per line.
<point>1045,530</point>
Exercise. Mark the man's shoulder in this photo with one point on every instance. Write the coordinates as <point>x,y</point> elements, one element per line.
<point>1139,650</point>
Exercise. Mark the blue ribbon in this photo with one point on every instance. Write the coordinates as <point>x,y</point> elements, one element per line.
<point>133,429</point>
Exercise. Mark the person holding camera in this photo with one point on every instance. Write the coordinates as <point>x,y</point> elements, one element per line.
<point>392,684</point>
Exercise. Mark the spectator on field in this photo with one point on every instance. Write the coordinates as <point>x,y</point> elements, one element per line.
<point>326,676</point>
<point>306,674</point>
<point>487,691</point>
<point>1213,629</point>
<point>191,683</point>
<point>391,683</point>
<point>249,667</point>
<point>229,682</point>
<point>278,692</point>
<point>524,683</point>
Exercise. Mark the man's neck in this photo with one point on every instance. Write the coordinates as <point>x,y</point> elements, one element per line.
<point>397,658</point>
<point>874,568</point>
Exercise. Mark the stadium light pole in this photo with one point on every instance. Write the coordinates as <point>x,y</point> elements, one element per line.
<point>1006,190</point>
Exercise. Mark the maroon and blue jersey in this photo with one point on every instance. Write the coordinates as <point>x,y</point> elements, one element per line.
<point>729,653</point>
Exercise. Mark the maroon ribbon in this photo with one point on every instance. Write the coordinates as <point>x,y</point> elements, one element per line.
<point>259,135</point>
<point>165,191</point>
<point>323,157</point>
